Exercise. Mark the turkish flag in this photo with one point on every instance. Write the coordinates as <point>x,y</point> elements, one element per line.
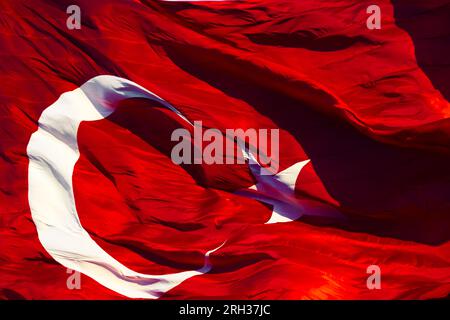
<point>363,181</point>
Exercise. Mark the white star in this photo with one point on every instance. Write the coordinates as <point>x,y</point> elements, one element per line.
<point>278,190</point>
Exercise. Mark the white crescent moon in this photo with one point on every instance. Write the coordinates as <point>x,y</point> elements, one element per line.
<point>53,152</point>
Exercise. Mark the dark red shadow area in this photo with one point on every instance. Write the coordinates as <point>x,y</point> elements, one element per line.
<point>428,24</point>
<point>386,190</point>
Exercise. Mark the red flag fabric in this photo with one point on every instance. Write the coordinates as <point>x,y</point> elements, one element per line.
<point>368,108</point>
